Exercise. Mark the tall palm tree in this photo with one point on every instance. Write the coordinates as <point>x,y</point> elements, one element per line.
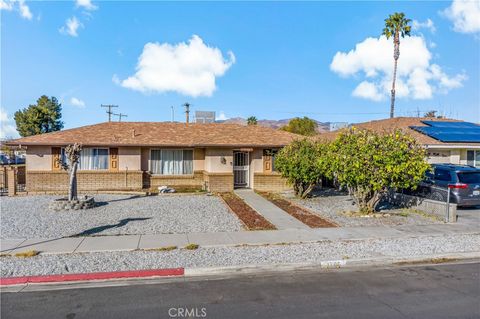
<point>396,25</point>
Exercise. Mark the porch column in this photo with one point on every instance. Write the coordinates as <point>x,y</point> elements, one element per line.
<point>12,181</point>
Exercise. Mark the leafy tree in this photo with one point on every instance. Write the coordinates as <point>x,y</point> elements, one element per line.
<point>303,126</point>
<point>43,117</point>
<point>396,25</point>
<point>303,163</point>
<point>252,120</point>
<point>369,163</point>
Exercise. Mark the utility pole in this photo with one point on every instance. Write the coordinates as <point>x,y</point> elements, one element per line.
<point>187,112</point>
<point>173,114</point>
<point>120,115</point>
<point>109,112</point>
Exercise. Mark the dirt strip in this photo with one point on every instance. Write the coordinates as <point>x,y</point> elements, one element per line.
<point>251,219</point>
<point>308,218</point>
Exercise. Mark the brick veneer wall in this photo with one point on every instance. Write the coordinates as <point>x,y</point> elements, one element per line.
<point>40,181</point>
<point>270,182</point>
<point>219,182</point>
<point>195,181</point>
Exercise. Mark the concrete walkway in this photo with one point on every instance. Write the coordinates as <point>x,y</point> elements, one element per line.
<point>278,217</point>
<point>133,242</point>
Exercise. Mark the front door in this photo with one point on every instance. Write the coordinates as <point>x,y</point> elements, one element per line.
<point>241,169</point>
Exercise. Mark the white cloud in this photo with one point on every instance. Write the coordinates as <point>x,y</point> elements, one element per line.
<point>17,5</point>
<point>417,77</point>
<point>86,4</point>
<point>368,90</point>
<point>77,102</point>
<point>428,24</point>
<point>465,15</point>
<point>7,128</point>
<point>221,116</point>
<point>71,27</point>
<point>187,68</point>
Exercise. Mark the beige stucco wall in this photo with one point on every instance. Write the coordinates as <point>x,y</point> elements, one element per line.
<point>199,159</point>
<point>438,156</point>
<point>213,160</point>
<point>453,156</point>
<point>129,158</point>
<point>39,158</point>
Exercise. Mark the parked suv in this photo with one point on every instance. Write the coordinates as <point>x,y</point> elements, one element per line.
<point>463,181</point>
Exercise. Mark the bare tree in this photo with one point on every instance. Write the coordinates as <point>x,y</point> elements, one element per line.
<point>72,154</point>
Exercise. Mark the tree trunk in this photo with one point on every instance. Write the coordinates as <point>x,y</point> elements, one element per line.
<point>396,55</point>
<point>72,191</point>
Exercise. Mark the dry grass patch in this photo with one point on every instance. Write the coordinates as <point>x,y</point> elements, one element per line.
<point>250,218</point>
<point>192,247</point>
<point>27,254</point>
<point>308,218</point>
<point>167,248</point>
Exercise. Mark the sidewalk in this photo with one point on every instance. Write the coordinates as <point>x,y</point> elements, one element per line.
<point>275,215</point>
<point>133,242</point>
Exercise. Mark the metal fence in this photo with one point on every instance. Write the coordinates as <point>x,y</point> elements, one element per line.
<point>434,200</point>
<point>19,178</point>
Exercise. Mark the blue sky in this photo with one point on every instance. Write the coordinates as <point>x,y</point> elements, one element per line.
<point>268,59</point>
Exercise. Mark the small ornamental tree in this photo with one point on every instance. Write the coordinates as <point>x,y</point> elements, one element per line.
<point>369,163</point>
<point>70,164</point>
<point>299,164</point>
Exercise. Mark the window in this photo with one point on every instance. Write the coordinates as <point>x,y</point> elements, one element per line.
<point>171,162</point>
<point>473,158</point>
<point>469,177</point>
<point>442,175</point>
<point>90,158</point>
<point>93,159</point>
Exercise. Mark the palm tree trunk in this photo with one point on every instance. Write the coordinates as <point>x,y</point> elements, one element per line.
<point>396,55</point>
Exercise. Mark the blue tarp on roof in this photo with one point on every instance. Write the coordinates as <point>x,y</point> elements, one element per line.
<point>450,132</point>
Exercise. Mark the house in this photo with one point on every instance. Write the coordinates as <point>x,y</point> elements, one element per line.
<point>446,140</point>
<point>145,155</point>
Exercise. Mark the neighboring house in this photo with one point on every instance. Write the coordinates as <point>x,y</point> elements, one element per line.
<point>145,155</point>
<point>446,140</point>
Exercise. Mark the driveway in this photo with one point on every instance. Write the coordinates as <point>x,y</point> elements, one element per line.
<point>30,217</point>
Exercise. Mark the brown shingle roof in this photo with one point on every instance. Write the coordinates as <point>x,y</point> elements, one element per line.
<point>402,123</point>
<point>163,134</point>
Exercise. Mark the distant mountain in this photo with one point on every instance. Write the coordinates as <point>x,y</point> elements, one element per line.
<point>276,124</point>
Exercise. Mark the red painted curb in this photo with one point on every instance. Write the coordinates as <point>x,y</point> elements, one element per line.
<point>93,276</point>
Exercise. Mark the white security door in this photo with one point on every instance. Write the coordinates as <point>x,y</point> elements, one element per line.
<point>241,169</point>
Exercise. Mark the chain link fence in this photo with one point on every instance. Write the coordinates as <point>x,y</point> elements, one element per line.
<point>431,199</point>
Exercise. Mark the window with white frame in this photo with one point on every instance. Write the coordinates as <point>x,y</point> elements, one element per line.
<point>90,159</point>
<point>473,158</point>
<point>171,162</point>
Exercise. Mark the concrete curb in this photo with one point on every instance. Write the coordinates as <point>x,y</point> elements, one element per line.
<point>330,264</point>
<point>8,281</point>
<point>107,278</point>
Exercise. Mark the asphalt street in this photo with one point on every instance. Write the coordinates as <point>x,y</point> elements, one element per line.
<point>427,291</point>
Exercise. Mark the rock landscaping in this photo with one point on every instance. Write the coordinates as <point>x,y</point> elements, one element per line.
<point>31,217</point>
<point>244,255</point>
<point>251,219</point>
<point>64,204</point>
<point>338,207</point>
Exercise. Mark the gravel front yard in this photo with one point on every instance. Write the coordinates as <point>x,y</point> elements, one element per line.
<point>29,216</point>
<point>230,256</point>
<point>332,204</point>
